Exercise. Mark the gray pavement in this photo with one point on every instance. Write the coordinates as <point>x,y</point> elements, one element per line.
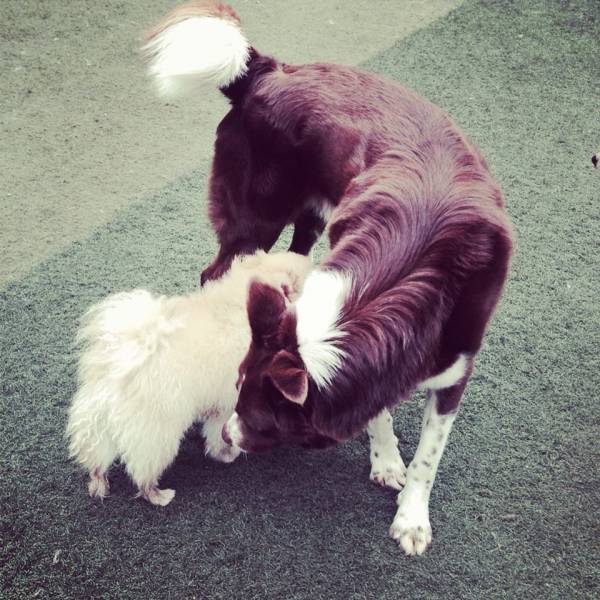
<point>82,133</point>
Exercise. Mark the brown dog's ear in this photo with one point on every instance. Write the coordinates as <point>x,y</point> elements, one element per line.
<point>289,376</point>
<point>266,307</point>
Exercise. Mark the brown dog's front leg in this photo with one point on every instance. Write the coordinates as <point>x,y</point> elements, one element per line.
<point>217,268</point>
<point>261,236</point>
<point>223,261</point>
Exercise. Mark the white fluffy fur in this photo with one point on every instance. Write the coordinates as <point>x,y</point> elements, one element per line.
<point>318,310</point>
<point>233,430</point>
<point>197,51</point>
<point>151,366</point>
<point>451,376</point>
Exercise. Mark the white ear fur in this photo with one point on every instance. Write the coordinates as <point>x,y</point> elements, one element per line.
<point>250,261</point>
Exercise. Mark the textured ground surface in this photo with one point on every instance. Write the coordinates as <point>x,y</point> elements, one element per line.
<point>82,134</point>
<point>515,506</point>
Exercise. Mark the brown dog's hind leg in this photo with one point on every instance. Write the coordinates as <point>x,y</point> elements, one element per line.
<point>308,227</point>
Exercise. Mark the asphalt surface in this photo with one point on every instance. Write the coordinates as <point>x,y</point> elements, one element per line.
<point>514,509</point>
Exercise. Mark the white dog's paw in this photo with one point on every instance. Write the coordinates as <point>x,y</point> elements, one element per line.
<point>387,471</point>
<point>411,529</point>
<point>225,454</point>
<point>156,496</point>
<point>98,485</point>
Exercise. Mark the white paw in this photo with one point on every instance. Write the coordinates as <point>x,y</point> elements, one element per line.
<point>225,454</point>
<point>388,471</point>
<point>157,496</point>
<point>98,486</point>
<point>411,528</point>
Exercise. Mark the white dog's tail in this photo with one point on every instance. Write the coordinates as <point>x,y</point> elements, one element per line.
<point>197,44</point>
<point>117,336</point>
<point>122,332</point>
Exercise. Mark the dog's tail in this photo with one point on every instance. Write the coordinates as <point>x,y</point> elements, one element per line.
<point>122,332</point>
<point>116,338</point>
<point>201,43</point>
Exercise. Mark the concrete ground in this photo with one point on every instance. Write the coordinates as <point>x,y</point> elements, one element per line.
<point>106,192</point>
<point>83,134</point>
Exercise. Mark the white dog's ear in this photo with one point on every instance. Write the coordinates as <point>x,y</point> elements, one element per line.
<point>251,261</point>
<point>289,376</point>
<point>297,274</point>
<point>266,307</point>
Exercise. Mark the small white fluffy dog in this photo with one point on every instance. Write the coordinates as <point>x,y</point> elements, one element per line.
<point>152,366</point>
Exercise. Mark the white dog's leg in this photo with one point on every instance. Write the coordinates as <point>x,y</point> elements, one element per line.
<point>155,495</point>
<point>99,459</point>
<point>215,445</point>
<point>411,527</point>
<point>98,486</point>
<point>387,467</point>
<point>150,452</point>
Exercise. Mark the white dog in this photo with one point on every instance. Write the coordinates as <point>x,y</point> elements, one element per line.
<point>152,366</point>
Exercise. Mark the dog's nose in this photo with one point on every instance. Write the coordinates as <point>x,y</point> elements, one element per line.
<point>225,435</point>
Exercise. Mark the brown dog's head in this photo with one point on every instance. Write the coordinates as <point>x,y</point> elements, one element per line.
<point>274,405</point>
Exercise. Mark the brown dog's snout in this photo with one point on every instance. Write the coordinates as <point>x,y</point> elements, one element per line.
<point>225,435</point>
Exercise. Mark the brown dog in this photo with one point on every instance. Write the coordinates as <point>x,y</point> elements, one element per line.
<point>420,247</point>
